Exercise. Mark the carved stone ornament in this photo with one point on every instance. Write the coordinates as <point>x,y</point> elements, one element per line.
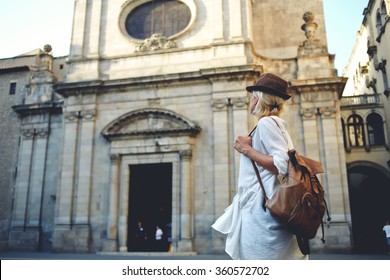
<point>42,132</point>
<point>219,104</point>
<point>327,111</point>
<point>115,158</point>
<point>72,116</point>
<point>28,133</point>
<point>185,154</point>
<point>308,113</point>
<point>155,42</point>
<point>311,45</point>
<point>239,103</point>
<point>88,114</point>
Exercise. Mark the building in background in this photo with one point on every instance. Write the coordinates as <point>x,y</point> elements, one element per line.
<point>138,126</point>
<point>365,111</point>
<point>31,140</point>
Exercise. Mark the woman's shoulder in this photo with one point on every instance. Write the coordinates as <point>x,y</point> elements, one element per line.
<point>267,121</point>
<point>271,121</point>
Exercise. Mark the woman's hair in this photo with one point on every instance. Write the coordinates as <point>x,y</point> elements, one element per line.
<point>268,104</point>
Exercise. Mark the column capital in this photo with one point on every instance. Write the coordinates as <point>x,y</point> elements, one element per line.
<point>239,102</point>
<point>185,154</point>
<point>28,133</point>
<point>327,112</point>
<point>308,113</point>
<point>88,115</point>
<point>72,116</point>
<point>115,158</point>
<point>219,104</point>
<point>42,132</point>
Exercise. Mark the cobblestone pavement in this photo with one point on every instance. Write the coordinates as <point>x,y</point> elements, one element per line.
<point>13,255</point>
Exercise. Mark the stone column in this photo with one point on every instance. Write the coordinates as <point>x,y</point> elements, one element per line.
<point>66,188</point>
<point>63,239</point>
<point>94,34</point>
<point>218,21</point>
<point>241,126</point>
<point>29,190</point>
<point>23,182</point>
<point>235,20</point>
<point>221,166</point>
<point>37,177</point>
<point>79,19</point>
<point>311,141</point>
<point>111,244</point>
<point>84,176</point>
<point>186,203</point>
<point>336,174</point>
<point>123,205</point>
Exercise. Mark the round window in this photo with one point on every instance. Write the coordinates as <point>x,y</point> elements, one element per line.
<point>165,17</point>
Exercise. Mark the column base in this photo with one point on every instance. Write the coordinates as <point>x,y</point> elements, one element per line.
<point>110,245</point>
<point>75,238</point>
<point>185,245</point>
<point>24,239</point>
<point>338,237</point>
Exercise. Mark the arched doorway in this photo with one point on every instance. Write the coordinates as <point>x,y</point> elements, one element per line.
<point>369,192</point>
<point>151,154</point>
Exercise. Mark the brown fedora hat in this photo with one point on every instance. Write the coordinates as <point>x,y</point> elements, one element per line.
<point>271,84</point>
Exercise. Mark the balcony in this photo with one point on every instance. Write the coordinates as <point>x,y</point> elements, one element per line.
<point>365,100</point>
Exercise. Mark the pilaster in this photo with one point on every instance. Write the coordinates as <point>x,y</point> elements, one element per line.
<point>84,174</point>
<point>220,132</point>
<point>78,31</point>
<point>65,191</point>
<point>111,243</point>
<point>219,21</point>
<point>186,241</point>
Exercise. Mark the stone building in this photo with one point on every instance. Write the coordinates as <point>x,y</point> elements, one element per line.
<point>141,126</point>
<point>365,111</point>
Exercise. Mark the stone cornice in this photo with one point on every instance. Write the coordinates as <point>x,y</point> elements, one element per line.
<point>250,71</point>
<point>315,85</point>
<point>36,109</point>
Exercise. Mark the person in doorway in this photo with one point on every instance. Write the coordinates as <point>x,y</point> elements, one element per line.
<point>386,229</point>
<point>159,239</point>
<point>140,237</point>
<point>253,233</point>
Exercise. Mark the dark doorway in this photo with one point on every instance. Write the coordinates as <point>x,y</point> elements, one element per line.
<point>369,192</point>
<point>150,203</point>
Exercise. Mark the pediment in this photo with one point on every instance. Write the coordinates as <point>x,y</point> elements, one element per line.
<point>147,122</point>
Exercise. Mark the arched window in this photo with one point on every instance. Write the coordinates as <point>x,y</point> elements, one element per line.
<point>376,135</point>
<point>355,127</point>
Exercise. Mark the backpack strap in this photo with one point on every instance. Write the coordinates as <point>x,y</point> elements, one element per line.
<point>265,197</point>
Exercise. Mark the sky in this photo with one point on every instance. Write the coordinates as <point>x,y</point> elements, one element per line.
<point>26,25</point>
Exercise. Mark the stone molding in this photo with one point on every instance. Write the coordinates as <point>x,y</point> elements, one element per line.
<point>185,154</point>
<point>311,113</point>
<point>30,133</point>
<point>150,122</point>
<point>236,102</point>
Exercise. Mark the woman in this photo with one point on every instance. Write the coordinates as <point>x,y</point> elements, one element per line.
<point>253,233</point>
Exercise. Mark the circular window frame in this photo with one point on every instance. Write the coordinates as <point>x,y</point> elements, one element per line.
<point>130,5</point>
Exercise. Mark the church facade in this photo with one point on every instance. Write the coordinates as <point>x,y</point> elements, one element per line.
<point>138,125</point>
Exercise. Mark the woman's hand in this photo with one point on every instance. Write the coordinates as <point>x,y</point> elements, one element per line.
<point>243,143</point>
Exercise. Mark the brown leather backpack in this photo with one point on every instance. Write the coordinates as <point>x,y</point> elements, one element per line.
<point>299,203</point>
